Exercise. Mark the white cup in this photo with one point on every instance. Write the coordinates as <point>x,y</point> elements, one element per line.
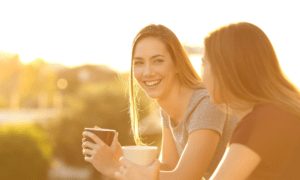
<point>141,155</point>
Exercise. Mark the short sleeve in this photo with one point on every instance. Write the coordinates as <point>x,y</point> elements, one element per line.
<point>265,132</point>
<point>206,116</point>
<point>254,133</point>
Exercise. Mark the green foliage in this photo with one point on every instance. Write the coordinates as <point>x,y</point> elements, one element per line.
<point>94,104</point>
<point>25,152</point>
<point>104,105</point>
<point>25,85</point>
<point>10,68</point>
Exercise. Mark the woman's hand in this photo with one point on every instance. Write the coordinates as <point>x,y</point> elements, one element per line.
<point>131,171</point>
<point>103,157</point>
<point>116,147</point>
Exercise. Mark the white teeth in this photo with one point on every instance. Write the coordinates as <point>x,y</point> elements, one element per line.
<point>152,83</point>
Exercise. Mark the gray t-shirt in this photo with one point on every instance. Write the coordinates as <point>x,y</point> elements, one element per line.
<point>201,114</point>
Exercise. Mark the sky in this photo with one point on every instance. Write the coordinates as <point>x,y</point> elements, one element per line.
<point>76,32</point>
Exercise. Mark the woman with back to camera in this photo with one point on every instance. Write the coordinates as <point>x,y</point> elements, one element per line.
<point>241,70</point>
<point>195,132</point>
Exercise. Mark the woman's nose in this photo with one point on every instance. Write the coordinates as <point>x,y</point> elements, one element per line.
<point>148,70</point>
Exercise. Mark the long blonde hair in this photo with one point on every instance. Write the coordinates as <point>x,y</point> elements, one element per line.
<point>243,62</point>
<point>186,73</point>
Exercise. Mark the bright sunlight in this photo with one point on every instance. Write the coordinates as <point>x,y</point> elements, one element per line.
<point>79,32</point>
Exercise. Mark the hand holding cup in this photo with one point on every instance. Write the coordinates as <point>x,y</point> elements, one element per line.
<point>106,135</point>
<point>99,147</point>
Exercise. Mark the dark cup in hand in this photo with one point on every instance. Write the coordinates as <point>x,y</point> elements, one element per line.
<point>106,135</point>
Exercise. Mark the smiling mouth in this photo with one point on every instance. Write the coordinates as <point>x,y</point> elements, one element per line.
<point>152,84</point>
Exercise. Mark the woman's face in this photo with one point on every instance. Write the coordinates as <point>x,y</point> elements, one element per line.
<point>153,68</point>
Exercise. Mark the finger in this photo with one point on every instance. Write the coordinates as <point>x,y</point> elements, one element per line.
<point>116,137</point>
<point>125,162</point>
<point>88,152</point>
<point>117,148</point>
<point>83,139</point>
<point>155,165</point>
<point>115,141</point>
<point>88,144</point>
<point>88,159</point>
<point>94,137</point>
<point>118,175</point>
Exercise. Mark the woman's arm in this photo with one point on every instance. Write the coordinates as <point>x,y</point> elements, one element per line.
<point>237,163</point>
<point>169,155</point>
<point>196,156</point>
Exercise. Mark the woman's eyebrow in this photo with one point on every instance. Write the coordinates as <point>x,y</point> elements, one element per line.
<point>152,57</point>
<point>155,56</point>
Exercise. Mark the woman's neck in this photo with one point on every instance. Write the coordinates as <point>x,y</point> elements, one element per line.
<point>175,104</point>
<point>243,112</point>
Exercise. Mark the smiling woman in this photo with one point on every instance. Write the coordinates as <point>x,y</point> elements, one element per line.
<point>154,69</point>
<point>195,132</point>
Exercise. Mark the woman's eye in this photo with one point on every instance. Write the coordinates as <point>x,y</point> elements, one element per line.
<point>136,63</point>
<point>158,60</point>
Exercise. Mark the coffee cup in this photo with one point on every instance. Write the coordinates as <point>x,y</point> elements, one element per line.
<point>141,155</point>
<point>106,135</point>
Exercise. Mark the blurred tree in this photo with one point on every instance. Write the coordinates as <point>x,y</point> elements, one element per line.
<point>25,152</point>
<point>32,85</point>
<point>78,76</point>
<point>37,85</point>
<point>103,105</point>
<point>95,101</point>
<point>10,68</point>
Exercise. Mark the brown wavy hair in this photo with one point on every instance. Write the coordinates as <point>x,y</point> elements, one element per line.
<point>243,62</point>
<point>186,73</point>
